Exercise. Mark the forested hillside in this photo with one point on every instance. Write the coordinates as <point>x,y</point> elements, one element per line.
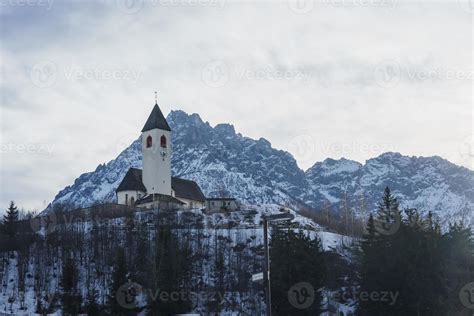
<point>75,261</point>
<point>115,260</point>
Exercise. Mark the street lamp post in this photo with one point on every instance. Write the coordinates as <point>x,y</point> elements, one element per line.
<point>266,271</point>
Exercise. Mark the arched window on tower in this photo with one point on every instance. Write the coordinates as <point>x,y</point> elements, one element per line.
<point>149,142</point>
<point>163,141</point>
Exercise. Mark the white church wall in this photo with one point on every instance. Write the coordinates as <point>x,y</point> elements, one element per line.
<point>161,205</point>
<point>128,197</point>
<point>191,204</point>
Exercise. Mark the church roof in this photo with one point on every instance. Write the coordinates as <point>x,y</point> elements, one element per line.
<point>156,120</point>
<point>132,181</point>
<point>158,197</point>
<point>221,199</point>
<point>187,189</point>
<point>183,188</point>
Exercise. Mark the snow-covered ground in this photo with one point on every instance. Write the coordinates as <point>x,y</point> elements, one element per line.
<point>241,231</point>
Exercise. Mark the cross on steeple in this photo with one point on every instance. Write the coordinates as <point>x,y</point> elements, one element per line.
<point>156,97</point>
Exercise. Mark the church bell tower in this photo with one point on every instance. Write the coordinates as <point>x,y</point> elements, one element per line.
<point>156,152</point>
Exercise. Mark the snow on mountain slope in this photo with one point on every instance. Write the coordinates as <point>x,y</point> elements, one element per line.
<point>221,161</point>
<point>428,184</point>
<point>224,162</point>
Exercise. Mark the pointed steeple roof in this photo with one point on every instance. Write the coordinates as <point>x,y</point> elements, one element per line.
<point>156,120</point>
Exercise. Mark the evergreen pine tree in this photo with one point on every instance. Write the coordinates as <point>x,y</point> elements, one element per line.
<point>376,256</point>
<point>388,217</point>
<point>295,258</point>
<point>10,219</point>
<point>406,261</point>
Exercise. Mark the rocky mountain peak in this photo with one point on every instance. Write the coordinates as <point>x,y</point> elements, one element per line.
<point>253,171</point>
<point>225,129</point>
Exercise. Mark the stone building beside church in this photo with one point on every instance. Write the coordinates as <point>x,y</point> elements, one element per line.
<point>154,187</point>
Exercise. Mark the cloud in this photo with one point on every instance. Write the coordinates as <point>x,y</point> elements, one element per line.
<point>356,79</point>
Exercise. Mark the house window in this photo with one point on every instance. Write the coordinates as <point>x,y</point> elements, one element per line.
<point>126,199</point>
<point>149,142</point>
<point>132,201</point>
<point>163,141</point>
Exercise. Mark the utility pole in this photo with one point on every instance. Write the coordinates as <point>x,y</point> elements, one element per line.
<point>266,271</point>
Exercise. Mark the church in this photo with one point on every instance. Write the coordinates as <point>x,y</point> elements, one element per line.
<point>154,187</point>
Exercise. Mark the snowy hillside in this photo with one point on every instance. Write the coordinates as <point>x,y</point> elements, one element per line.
<point>31,278</point>
<point>222,161</point>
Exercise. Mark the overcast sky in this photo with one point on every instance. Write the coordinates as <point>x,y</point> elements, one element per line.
<point>318,78</point>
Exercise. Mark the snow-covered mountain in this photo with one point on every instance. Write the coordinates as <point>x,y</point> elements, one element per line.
<point>224,162</point>
<point>221,161</point>
<point>425,183</point>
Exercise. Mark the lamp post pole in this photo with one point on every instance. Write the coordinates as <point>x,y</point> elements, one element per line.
<point>266,272</point>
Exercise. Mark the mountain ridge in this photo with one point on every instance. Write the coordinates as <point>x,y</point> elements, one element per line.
<point>224,162</point>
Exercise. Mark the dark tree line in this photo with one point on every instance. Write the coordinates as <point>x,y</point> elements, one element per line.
<point>138,257</point>
<point>297,273</point>
<point>155,267</point>
<point>406,254</point>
